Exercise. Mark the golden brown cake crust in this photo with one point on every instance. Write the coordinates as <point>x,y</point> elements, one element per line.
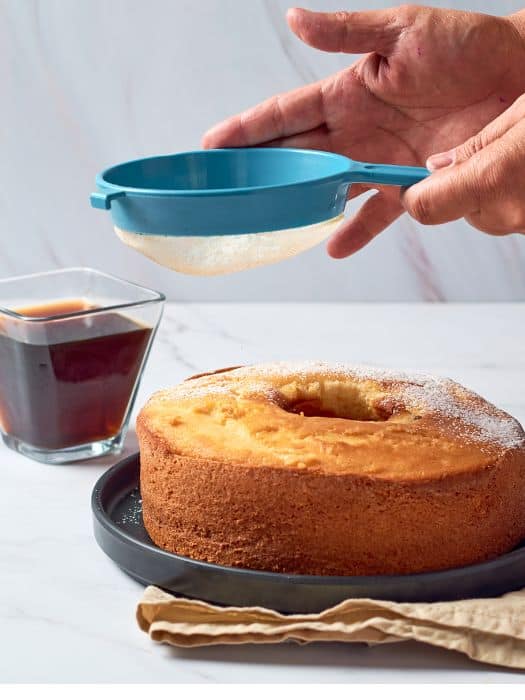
<point>418,475</point>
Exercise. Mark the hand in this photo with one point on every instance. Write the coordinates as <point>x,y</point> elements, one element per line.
<point>432,79</point>
<point>482,180</point>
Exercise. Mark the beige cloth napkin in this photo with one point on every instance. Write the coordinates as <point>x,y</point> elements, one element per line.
<point>491,630</point>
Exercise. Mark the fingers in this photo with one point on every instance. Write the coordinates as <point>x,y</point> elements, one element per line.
<point>315,139</point>
<point>349,32</point>
<point>375,215</point>
<point>358,189</point>
<point>278,117</point>
<point>493,131</point>
<point>303,109</point>
<point>448,194</point>
<point>475,179</point>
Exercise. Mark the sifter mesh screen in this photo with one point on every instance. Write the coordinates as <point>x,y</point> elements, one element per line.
<point>220,255</point>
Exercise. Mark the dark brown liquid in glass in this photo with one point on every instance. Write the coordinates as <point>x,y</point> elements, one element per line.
<point>69,381</point>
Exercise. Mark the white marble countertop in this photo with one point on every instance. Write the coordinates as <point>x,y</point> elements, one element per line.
<point>67,612</point>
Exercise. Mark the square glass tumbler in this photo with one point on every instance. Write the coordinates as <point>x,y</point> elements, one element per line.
<point>73,345</point>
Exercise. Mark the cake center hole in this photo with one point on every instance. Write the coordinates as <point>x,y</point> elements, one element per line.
<point>314,408</point>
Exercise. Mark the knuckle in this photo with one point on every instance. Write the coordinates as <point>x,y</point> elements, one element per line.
<point>343,16</point>
<point>486,225</point>
<point>420,208</point>
<point>491,176</point>
<point>407,14</point>
<point>404,10</point>
<point>474,145</point>
<point>507,215</point>
<point>501,210</point>
<point>520,101</point>
<point>343,20</point>
<point>277,113</point>
<point>514,218</point>
<point>519,105</point>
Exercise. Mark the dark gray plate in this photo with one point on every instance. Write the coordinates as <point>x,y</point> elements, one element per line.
<point>120,532</point>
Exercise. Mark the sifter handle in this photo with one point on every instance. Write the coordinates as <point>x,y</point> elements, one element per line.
<point>102,200</point>
<point>378,174</point>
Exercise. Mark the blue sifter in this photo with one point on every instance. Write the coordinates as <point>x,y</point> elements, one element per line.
<point>218,211</point>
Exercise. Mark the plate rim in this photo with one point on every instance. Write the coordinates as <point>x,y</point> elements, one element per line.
<point>372,581</point>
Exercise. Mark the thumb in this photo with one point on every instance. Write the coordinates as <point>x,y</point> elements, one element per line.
<point>447,195</point>
<point>347,32</point>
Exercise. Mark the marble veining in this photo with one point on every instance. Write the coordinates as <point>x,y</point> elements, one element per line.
<point>275,16</point>
<point>87,84</point>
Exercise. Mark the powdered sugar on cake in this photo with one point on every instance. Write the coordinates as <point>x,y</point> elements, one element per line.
<point>484,423</point>
<point>472,418</point>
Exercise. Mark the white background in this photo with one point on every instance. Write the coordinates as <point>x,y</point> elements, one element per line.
<point>87,83</point>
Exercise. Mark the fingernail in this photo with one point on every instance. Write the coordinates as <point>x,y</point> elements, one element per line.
<point>441,160</point>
